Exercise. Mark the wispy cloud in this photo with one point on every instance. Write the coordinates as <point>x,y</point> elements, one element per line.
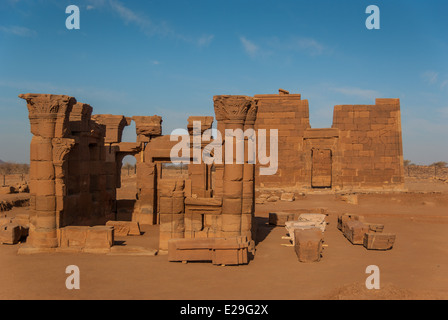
<point>249,47</point>
<point>285,46</point>
<point>308,45</point>
<point>358,92</point>
<point>205,40</point>
<point>151,27</point>
<point>430,77</point>
<point>18,31</point>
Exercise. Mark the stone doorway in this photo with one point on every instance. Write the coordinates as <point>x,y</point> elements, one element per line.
<point>127,193</point>
<point>321,168</point>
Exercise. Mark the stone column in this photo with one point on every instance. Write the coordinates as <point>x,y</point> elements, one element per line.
<point>48,116</point>
<point>233,110</point>
<point>147,128</point>
<point>248,203</point>
<point>61,148</point>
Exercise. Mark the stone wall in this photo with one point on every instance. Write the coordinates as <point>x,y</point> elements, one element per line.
<point>361,151</point>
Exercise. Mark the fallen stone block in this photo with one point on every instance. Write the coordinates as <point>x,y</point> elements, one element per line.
<point>348,217</point>
<point>308,244</point>
<point>304,222</point>
<point>273,199</point>
<point>354,231</point>
<point>86,238</point>
<point>124,228</point>
<point>10,233</point>
<point>220,251</point>
<point>376,227</point>
<point>379,241</point>
<point>287,196</point>
<point>280,218</point>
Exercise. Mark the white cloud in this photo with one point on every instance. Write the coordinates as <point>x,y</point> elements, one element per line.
<point>286,47</point>
<point>151,28</point>
<point>358,92</point>
<point>250,47</point>
<point>205,40</point>
<point>18,31</point>
<point>430,77</point>
<point>309,45</point>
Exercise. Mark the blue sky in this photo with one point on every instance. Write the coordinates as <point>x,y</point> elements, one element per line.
<point>170,57</point>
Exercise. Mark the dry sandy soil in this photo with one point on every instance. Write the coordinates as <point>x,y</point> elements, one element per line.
<point>416,268</point>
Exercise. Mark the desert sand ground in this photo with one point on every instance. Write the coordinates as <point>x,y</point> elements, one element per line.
<point>416,268</point>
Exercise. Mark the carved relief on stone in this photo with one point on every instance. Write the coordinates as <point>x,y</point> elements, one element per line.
<point>148,125</point>
<point>47,103</point>
<point>61,147</point>
<point>230,107</point>
<point>206,123</point>
<point>252,112</point>
<point>48,113</point>
<point>114,125</point>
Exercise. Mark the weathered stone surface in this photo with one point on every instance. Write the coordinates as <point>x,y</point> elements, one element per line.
<point>124,228</point>
<point>10,233</point>
<point>354,231</point>
<point>361,151</point>
<point>378,241</point>
<point>279,218</point>
<point>79,237</point>
<point>342,219</point>
<point>308,244</point>
<point>304,222</point>
<point>220,251</point>
<point>287,196</point>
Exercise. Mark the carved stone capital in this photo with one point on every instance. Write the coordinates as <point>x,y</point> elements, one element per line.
<point>61,147</point>
<point>252,112</point>
<point>114,126</point>
<point>232,108</point>
<point>148,126</point>
<point>47,103</point>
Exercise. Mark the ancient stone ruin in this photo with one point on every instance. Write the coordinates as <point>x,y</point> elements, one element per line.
<point>75,168</point>
<point>76,160</point>
<point>361,151</point>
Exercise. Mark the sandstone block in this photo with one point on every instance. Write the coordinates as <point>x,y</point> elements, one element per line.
<point>10,233</point>
<point>378,241</point>
<point>286,196</point>
<point>279,218</point>
<point>124,228</point>
<point>308,244</point>
<point>355,230</point>
<point>220,251</point>
<point>342,219</point>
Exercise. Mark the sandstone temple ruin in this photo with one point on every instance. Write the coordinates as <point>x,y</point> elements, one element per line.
<point>361,151</point>
<point>76,159</point>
